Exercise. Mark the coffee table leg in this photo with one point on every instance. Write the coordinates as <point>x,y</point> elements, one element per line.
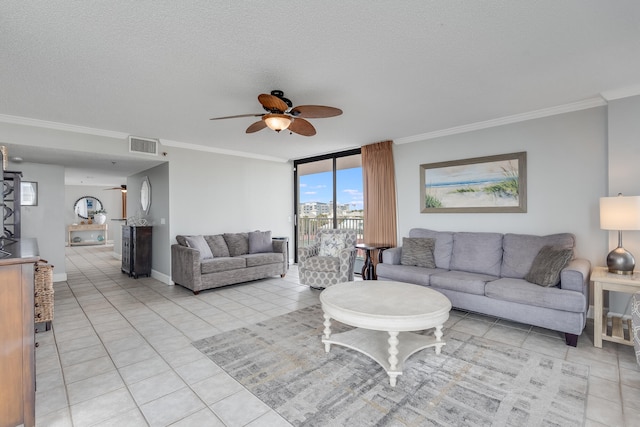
<point>327,331</point>
<point>438,334</point>
<point>393,351</point>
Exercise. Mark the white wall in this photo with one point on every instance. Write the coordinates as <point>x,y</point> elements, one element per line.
<point>214,193</point>
<point>45,222</point>
<point>566,176</point>
<point>624,176</point>
<point>158,216</point>
<point>111,201</point>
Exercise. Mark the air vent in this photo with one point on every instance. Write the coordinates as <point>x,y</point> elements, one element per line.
<point>143,145</point>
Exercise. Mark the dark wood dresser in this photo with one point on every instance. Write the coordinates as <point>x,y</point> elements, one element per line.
<point>136,250</point>
<point>17,334</point>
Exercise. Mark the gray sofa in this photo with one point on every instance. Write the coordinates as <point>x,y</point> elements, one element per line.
<point>485,273</point>
<point>211,261</point>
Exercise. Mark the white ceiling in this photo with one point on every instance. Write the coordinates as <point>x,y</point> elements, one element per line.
<point>397,69</point>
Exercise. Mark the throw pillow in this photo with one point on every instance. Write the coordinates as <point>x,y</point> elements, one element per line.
<point>547,265</point>
<point>218,245</point>
<point>198,242</point>
<point>238,243</point>
<point>331,244</point>
<point>260,242</point>
<point>418,251</point>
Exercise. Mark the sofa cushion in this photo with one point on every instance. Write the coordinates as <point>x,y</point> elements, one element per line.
<point>461,281</point>
<point>521,249</point>
<point>263,258</point>
<point>406,273</point>
<point>323,263</point>
<point>216,265</point>
<point>547,265</point>
<point>198,243</point>
<point>522,292</point>
<point>444,244</point>
<point>477,253</point>
<point>260,242</point>
<point>218,245</point>
<point>418,251</point>
<point>238,243</point>
<point>332,243</point>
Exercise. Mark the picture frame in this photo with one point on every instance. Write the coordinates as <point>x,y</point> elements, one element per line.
<point>28,193</point>
<point>489,184</point>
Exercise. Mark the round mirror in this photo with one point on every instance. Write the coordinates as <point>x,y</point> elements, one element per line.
<point>145,195</point>
<point>86,204</point>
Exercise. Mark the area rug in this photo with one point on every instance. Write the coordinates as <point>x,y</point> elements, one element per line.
<point>474,382</point>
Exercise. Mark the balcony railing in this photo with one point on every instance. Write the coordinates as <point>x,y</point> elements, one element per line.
<point>308,228</point>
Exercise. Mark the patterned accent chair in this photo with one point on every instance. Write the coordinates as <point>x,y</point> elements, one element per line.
<point>329,260</point>
<point>635,323</point>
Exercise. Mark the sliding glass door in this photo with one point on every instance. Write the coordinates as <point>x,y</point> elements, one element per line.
<point>328,194</point>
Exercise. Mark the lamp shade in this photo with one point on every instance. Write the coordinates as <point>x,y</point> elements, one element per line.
<point>277,122</point>
<point>620,213</point>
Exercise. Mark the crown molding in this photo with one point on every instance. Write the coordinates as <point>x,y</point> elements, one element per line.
<point>196,147</point>
<point>546,112</point>
<point>611,95</point>
<point>25,121</point>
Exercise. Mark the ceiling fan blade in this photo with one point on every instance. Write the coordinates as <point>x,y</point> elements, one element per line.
<point>302,127</point>
<point>123,187</point>
<point>272,103</point>
<point>256,126</point>
<point>236,116</point>
<point>315,111</point>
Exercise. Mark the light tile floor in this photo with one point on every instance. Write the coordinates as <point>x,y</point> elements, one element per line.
<point>120,353</point>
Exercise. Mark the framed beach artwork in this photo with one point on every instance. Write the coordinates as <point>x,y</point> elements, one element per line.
<point>482,184</point>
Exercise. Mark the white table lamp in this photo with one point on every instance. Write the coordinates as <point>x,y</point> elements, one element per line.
<point>620,213</point>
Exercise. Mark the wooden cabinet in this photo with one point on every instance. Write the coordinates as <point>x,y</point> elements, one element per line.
<point>136,250</point>
<point>17,341</point>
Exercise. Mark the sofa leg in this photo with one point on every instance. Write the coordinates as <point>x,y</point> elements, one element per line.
<point>196,292</point>
<point>571,339</point>
<point>282,275</point>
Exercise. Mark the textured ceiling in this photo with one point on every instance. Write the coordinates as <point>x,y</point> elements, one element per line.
<point>161,69</point>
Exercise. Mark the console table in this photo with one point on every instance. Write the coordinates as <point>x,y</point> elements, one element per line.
<point>101,229</point>
<point>605,281</point>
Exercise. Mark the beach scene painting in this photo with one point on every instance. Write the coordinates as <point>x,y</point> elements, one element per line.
<point>482,184</point>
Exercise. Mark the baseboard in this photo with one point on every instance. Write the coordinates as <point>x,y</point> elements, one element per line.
<point>60,277</point>
<point>590,312</point>
<point>161,277</point>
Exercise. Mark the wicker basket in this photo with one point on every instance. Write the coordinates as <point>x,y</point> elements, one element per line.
<point>43,287</point>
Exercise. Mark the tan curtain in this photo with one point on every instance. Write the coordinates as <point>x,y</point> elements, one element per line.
<point>379,194</point>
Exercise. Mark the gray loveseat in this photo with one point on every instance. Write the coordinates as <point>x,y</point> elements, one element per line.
<point>485,273</point>
<point>211,261</point>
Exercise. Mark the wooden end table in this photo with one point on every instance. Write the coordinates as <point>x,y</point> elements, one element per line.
<point>605,281</point>
<point>369,269</point>
<point>384,314</point>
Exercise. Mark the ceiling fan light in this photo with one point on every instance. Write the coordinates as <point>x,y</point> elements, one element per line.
<point>277,122</point>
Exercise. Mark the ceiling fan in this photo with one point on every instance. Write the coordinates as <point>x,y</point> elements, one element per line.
<point>281,115</point>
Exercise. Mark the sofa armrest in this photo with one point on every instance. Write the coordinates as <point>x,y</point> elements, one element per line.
<point>575,276</point>
<point>280,247</point>
<point>347,259</point>
<point>307,252</point>
<point>185,267</point>
<point>392,256</point>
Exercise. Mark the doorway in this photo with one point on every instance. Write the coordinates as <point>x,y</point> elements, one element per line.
<point>328,194</point>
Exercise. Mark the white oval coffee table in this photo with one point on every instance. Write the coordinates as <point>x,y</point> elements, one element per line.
<point>384,313</point>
